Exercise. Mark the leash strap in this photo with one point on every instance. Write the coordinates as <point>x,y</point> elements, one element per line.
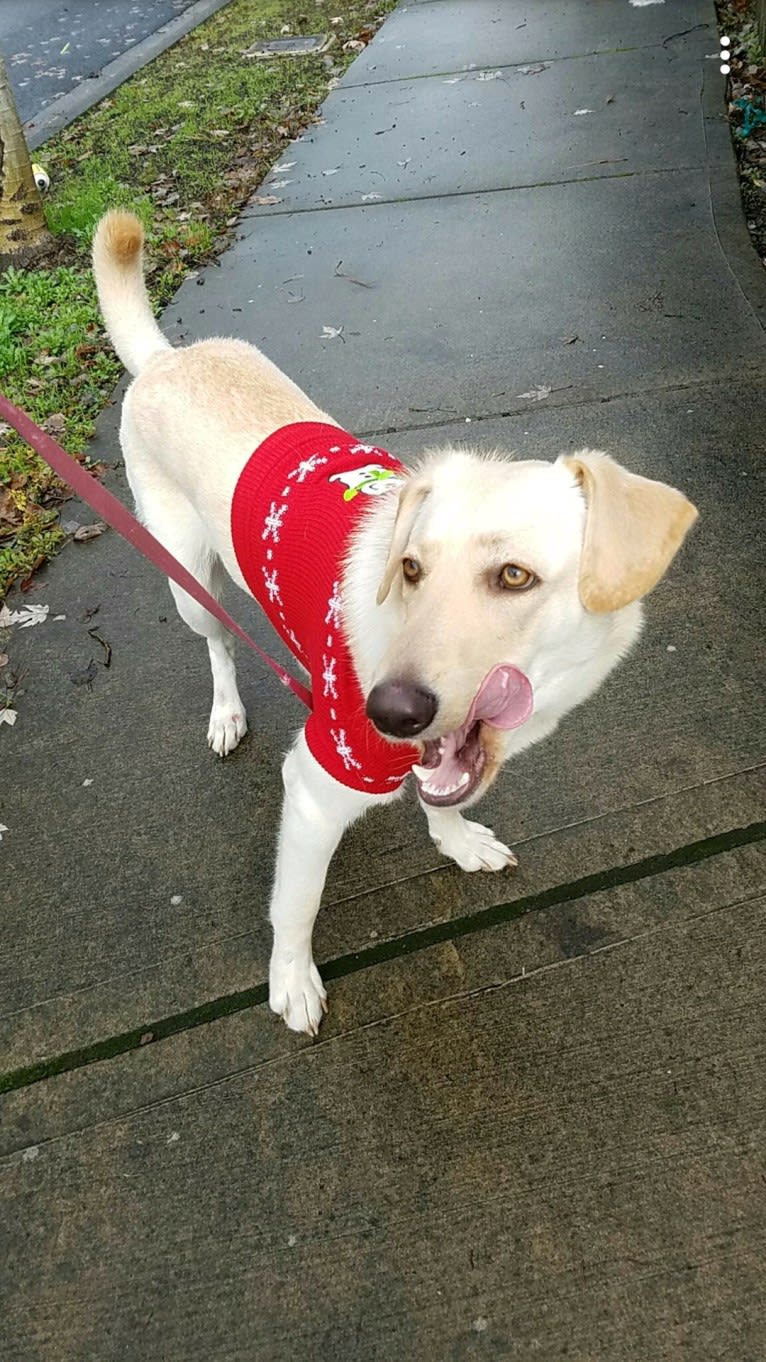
<point>110,509</point>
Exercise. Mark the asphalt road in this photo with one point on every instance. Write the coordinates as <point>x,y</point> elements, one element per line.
<point>49,46</point>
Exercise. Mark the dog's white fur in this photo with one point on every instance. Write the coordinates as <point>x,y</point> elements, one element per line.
<point>595,536</point>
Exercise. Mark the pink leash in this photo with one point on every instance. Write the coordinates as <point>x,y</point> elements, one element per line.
<point>110,509</point>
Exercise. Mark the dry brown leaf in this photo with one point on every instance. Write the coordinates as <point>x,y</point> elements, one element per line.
<point>265,199</point>
<point>55,424</point>
<point>86,532</point>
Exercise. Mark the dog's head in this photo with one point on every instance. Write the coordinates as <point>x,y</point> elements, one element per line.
<point>525,576</point>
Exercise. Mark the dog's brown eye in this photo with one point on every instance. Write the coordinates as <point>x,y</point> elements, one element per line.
<point>515,578</point>
<point>411,569</point>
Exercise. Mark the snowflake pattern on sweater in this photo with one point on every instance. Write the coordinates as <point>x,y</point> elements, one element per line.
<point>298,500</point>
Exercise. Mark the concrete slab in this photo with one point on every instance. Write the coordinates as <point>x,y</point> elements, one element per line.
<point>533,1123</point>
<point>566,1162</point>
<point>429,37</point>
<point>95,943</point>
<point>470,300</point>
<point>497,129</point>
<point>476,949</point>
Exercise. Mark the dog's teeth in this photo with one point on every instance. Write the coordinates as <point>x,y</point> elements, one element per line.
<point>440,791</point>
<point>421,772</point>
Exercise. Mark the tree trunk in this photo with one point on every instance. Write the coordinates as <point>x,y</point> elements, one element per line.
<point>23,233</point>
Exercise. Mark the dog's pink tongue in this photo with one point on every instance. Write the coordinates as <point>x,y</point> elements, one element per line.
<point>504,699</point>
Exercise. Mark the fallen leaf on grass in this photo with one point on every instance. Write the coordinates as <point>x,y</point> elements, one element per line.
<point>3,659</point>
<point>86,532</point>
<point>8,716</point>
<point>11,515</point>
<point>29,581</point>
<point>56,424</point>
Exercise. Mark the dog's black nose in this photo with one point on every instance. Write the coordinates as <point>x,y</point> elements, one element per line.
<point>400,708</point>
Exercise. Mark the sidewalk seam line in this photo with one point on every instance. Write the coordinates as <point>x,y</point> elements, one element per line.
<point>397,948</point>
<point>259,216</point>
<point>473,71</point>
<point>441,867</point>
<point>456,417</point>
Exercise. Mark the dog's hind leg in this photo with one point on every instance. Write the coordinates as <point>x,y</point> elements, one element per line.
<point>173,521</point>
<point>228,722</point>
<point>470,845</point>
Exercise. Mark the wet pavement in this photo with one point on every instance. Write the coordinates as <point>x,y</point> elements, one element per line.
<point>50,46</point>
<point>533,1124</point>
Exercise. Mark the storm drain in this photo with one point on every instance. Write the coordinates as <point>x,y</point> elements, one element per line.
<point>292,47</point>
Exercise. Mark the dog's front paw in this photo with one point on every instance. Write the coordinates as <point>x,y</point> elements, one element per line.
<point>474,847</point>
<point>227,728</point>
<point>297,995</point>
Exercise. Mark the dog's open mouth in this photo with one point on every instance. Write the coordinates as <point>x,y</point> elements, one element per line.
<point>453,765</point>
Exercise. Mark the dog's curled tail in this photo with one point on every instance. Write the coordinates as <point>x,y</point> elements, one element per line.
<point>118,267</point>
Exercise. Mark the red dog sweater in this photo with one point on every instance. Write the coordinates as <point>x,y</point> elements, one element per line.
<point>298,499</point>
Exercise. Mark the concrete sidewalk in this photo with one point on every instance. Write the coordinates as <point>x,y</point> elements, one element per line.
<point>533,1125</point>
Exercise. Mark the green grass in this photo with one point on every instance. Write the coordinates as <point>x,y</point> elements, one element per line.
<point>82,200</point>
<point>183,143</point>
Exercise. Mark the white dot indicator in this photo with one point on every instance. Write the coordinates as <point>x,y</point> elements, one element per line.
<point>725,42</point>
<point>725,68</point>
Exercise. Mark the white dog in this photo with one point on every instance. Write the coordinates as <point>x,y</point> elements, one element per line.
<point>448,618</point>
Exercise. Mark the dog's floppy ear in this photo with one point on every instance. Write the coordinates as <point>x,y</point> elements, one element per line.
<point>411,498</point>
<point>633,531</point>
